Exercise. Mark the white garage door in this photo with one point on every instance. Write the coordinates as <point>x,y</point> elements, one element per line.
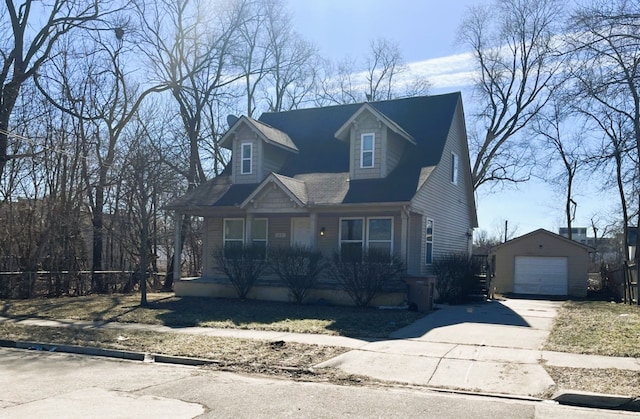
<point>540,275</point>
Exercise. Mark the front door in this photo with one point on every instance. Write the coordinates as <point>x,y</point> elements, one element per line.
<point>301,231</point>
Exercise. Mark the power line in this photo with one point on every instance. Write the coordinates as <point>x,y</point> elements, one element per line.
<point>34,144</point>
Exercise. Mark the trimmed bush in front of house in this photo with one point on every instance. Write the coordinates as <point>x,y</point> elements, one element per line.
<point>299,267</point>
<point>243,265</point>
<point>364,276</point>
<point>455,277</point>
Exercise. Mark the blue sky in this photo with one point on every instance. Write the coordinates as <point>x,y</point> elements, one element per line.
<point>426,32</point>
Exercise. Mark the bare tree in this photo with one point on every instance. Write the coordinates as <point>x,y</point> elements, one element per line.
<point>548,126</point>
<point>514,47</point>
<point>190,47</point>
<point>29,31</point>
<point>380,78</point>
<point>607,47</point>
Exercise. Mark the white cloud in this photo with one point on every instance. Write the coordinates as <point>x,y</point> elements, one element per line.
<point>453,71</point>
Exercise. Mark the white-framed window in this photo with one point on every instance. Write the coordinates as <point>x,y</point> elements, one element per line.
<point>367,147</point>
<point>454,168</point>
<point>358,234</point>
<point>233,233</point>
<point>246,160</point>
<point>351,238</point>
<point>259,236</point>
<point>428,242</point>
<point>380,234</point>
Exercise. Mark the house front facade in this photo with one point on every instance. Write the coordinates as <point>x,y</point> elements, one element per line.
<point>391,175</point>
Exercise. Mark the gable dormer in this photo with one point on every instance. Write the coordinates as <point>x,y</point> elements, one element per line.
<point>376,143</point>
<point>257,149</point>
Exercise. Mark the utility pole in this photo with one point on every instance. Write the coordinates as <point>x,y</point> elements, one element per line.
<point>506,229</point>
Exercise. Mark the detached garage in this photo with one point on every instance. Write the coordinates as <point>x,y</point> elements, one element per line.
<point>541,263</point>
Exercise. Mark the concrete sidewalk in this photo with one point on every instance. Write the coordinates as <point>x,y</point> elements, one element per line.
<point>492,347</point>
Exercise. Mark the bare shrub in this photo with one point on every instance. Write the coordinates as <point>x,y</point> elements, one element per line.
<point>363,278</point>
<point>243,265</point>
<point>455,277</point>
<point>299,267</point>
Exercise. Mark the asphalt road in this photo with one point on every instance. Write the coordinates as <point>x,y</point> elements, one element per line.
<point>51,385</point>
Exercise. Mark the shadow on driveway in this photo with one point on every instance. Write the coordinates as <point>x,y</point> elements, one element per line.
<point>489,312</point>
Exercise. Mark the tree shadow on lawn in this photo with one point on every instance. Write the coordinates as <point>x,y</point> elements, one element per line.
<point>72,308</point>
<point>283,317</point>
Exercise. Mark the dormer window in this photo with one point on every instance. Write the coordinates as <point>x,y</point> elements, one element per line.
<point>367,146</point>
<point>247,157</point>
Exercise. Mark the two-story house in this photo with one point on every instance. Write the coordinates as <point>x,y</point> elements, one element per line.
<point>392,175</point>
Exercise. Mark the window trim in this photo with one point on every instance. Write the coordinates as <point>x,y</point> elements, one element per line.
<point>455,168</point>
<point>372,151</point>
<point>428,253</point>
<point>224,231</point>
<point>363,238</point>
<point>367,232</point>
<point>243,158</point>
<point>266,237</point>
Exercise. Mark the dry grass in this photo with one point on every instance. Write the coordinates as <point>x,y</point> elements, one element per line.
<point>607,381</point>
<point>600,328</point>
<point>289,359</point>
<point>596,328</point>
<point>166,309</point>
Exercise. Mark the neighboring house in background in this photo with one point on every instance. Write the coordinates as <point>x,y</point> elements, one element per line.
<point>578,234</point>
<point>541,263</point>
<point>392,175</point>
<point>605,249</point>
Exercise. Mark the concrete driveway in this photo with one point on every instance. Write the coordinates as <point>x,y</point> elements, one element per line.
<point>492,347</point>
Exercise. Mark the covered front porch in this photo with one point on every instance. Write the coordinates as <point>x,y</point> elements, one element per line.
<point>326,230</point>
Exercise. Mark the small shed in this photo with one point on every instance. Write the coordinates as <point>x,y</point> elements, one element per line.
<point>541,263</point>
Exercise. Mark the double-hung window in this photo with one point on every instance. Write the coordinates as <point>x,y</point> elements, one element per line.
<point>356,235</point>
<point>233,233</point>
<point>367,146</point>
<point>428,240</point>
<point>351,238</point>
<point>380,235</point>
<point>246,158</point>
<point>259,235</point>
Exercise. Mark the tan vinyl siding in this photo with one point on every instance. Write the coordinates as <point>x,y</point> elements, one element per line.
<point>448,205</point>
<point>395,145</point>
<point>328,244</point>
<point>366,124</point>
<point>541,244</point>
<point>415,259</point>
<point>279,226</point>
<point>273,159</point>
<point>273,198</point>
<point>243,136</point>
<point>213,239</point>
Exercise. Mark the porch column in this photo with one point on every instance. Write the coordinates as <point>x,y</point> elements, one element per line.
<point>248,230</point>
<point>404,234</point>
<point>177,251</point>
<point>313,226</point>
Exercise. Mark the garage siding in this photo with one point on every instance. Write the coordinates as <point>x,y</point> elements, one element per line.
<point>541,243</point>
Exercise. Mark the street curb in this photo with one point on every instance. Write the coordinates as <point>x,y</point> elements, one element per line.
<point>562,396</point>
<point>596,400</point>
<point>108,353</point>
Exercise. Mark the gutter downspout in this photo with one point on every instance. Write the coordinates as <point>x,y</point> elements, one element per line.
<point>404,232</point>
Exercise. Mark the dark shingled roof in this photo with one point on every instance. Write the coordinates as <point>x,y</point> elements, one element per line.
<point>323,161</point>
